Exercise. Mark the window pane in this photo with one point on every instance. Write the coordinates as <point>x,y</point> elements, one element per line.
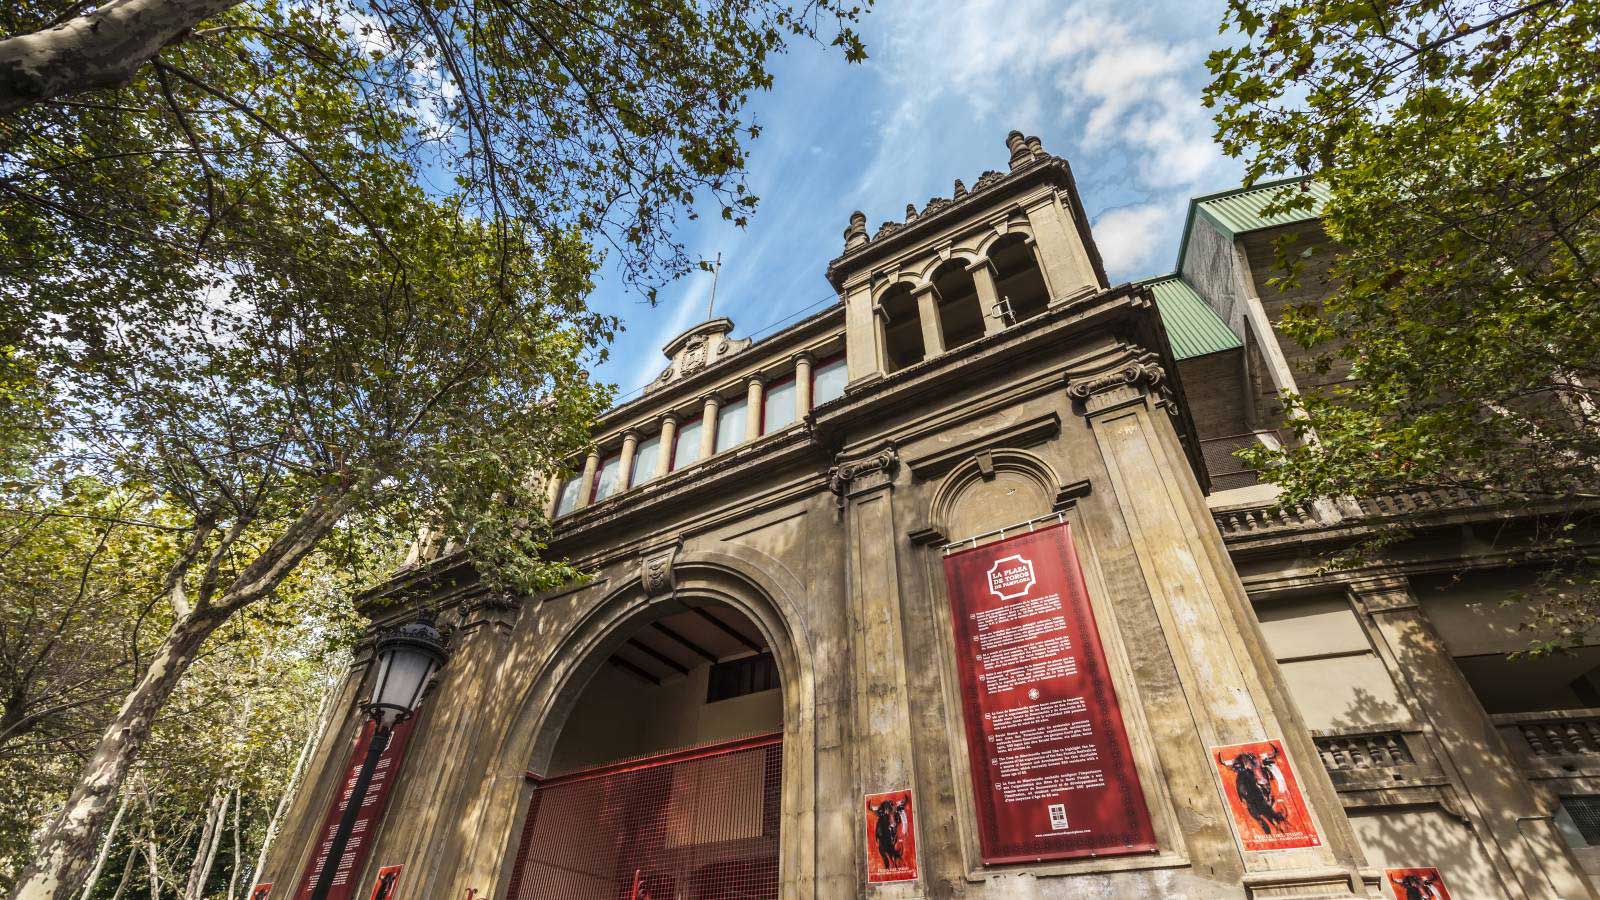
<point>567,499</point>
<point>730,425</point>
<point>646,459</point>
<point>608,478</point>
<point>687,449</point>
<point>827,382</point>
<point>779,410</point>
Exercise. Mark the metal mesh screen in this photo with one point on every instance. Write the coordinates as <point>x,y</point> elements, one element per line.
<point>699,824</point>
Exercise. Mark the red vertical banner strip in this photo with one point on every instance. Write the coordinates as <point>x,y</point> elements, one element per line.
<point>366,825</point>
<point>891,831</point>
<point>1052,772</point>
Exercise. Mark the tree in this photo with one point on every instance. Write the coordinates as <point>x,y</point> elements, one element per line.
<point>308,269</point>
<point>1457,142</point>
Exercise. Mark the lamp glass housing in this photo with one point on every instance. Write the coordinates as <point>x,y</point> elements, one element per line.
<point>406,660</point>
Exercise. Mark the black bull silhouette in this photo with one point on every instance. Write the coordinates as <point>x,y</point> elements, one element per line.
<point>1256,785</point>
<point>887,832</point>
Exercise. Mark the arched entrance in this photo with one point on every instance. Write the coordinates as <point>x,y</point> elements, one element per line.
<point>665,779</point>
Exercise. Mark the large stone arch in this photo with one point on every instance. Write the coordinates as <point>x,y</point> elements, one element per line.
<point>741,577</point>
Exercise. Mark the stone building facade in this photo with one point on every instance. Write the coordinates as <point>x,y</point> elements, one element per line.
<point>768,637</point>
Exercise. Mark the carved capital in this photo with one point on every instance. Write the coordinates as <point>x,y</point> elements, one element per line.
<point>843,473</point>
<point>1119,387</point>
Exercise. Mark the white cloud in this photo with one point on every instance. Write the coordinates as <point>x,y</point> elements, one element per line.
<point>1130,239</point>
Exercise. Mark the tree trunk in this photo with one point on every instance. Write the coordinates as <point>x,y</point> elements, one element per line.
<point>152,858</point>
<point>61,858</point>
<point>233,879</point>
<point>127,870</point>
<point>100,49</point>
<point>205,855</point>
<point>105,846</point>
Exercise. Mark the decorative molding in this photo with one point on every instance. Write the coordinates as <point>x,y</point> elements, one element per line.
<point>1128,384</point>
<point>656,576</point>
<point>1024,434</point>
<point>1070,494</point>
<point>842,474</point>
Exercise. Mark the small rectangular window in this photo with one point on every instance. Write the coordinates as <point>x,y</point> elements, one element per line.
<point>607,478</point>
<point>828,380</point>
<point>777,410</point>
<point>646,460</point>
<point>686,447</point>
<point>1578,819</point>
<point>567,497</point>
<point>739,677</point>
<point>730,424</point>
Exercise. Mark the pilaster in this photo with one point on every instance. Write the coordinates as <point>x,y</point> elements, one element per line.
<point>1518,833</point>
<point>708,426</point>
<point>928,317</point>
<point>591,465</point>
<point>882,713</point>
<point>802,385</point>
<point>862,357</point>
<point>1062,257</point>
<point>630,446</point>
<point>1235,692</point>
<point>988,296</point>
<point>669,440</point>
<point>755,390</point>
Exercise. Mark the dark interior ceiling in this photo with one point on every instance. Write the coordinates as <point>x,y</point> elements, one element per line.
<point>672,646</point>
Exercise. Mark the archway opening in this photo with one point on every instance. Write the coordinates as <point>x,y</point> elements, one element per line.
<point>1017,277</point>
<point>664,782</point>
<point>902,329</point>
<point>960,313</point>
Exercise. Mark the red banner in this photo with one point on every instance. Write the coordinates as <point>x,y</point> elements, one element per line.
<point>387,885</point>
<point>1265,798</point>
<point>1416,884</point>
<point>891,838</point>
<point>1051,768</point>
<point>355,850</point>
<point>262,891</point>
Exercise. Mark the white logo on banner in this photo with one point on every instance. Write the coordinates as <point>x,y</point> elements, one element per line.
<point>1011,577</point>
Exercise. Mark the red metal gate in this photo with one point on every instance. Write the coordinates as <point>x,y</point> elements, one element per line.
<point>696,824</point>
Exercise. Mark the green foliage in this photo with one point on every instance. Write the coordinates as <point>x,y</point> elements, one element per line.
<point>1458,141</point>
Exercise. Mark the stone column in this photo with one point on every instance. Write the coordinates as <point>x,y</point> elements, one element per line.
<point>1518,832</point>
<point>586,486</point>
<point>1059,249</point>
<point>754,392</point>
<point>1234,690</point>
<point>708,426</point>
<point>802,385</point>
<point>669,440</point>
<point>988,296</point>
<point>928,315</point>
<point>880,704</point>
<point>863,350</point>
<point>630,446</point>
<point>552,493</point>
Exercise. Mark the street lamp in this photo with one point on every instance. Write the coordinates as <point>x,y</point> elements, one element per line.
<point>407,656</point>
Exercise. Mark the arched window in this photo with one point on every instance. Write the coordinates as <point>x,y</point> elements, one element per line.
<point>960,313</point>
<point>902,330</point>
<point>1018,280</point>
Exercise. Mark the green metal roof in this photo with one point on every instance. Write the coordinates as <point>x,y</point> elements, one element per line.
<point>1239,211</point>
<point>1193,327</point>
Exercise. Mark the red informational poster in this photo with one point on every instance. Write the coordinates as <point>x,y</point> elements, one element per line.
<point>1267,805</point>
<point>355,851</point>
<point>387,884</point>
<point>1416,884</point>
<point>261,891</point>
<point>1051,768</point>
<point>891,838</point>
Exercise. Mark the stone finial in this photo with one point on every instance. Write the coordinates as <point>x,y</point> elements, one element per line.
<point>1018,145</point>
<point>961,189</point>
<point>856,234</point>
<point>911,211</point>
<point>1035,146</point>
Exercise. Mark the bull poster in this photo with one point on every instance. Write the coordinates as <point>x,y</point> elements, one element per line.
<point>1052,773</point>
<point>387,885</point>
<point>261,891</point>
<point>891,838</point>
<point>1268,808</point>
<point>1416,884</point>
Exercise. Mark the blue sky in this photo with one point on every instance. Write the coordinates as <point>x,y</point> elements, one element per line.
<point>1113,87</point>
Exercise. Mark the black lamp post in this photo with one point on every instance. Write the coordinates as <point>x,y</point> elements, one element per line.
<point>407,657</point>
